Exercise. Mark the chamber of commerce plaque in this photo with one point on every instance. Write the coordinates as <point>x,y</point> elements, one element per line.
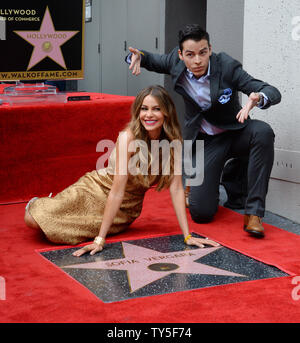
<point>42,40</point>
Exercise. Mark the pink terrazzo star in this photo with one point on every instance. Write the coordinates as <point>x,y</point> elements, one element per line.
<point>47,42</point>
<point>145,265</point>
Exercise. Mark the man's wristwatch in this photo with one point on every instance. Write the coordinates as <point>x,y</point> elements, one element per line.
<point>261,100</point>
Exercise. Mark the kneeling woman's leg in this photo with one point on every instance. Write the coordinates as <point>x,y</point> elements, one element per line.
<point>75,214</point>
<point>29,221</point>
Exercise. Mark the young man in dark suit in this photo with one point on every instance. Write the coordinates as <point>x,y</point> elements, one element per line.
<point>209,84</point>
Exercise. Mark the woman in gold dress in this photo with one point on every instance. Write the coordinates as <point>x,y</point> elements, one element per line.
<point>108,200</point>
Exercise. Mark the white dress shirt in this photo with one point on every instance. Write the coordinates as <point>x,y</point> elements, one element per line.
<point>199,90</point>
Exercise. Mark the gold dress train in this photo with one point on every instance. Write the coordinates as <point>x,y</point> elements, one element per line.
<point>75,215</point>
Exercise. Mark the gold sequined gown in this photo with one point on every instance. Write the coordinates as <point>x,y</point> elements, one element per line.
<point>74,215</point>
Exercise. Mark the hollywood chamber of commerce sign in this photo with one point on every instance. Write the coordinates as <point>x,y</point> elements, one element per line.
<point>44,41</point>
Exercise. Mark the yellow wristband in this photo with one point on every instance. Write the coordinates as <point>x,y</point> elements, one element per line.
<point>141,52</point>
<point>99,240</point>
<point>187,238</point>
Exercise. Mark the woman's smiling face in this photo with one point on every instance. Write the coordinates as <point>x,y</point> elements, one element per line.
<point>151,116</point>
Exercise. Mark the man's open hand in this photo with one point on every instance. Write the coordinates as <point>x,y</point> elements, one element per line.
<point>135,64</point>
<point>244,112</point>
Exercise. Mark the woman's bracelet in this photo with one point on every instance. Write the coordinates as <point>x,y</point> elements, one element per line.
<point>99,240</point>
<point>187,238</point>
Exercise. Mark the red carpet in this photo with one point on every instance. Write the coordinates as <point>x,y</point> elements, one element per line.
<point>37,291</point>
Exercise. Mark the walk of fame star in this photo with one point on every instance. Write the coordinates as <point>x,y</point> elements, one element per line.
<point>157,265</point>
<point>47,42</point>
<point>145,266</point>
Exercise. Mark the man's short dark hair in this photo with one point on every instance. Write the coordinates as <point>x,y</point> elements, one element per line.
<point>192,31</point>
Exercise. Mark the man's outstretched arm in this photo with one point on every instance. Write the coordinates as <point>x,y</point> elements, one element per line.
<point>159,63</point>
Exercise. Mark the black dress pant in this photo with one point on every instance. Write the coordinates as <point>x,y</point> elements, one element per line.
<point>256,142</point>
<point>235,181</point>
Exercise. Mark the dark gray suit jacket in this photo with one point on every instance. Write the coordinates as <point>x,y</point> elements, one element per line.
<point>225,73</point>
